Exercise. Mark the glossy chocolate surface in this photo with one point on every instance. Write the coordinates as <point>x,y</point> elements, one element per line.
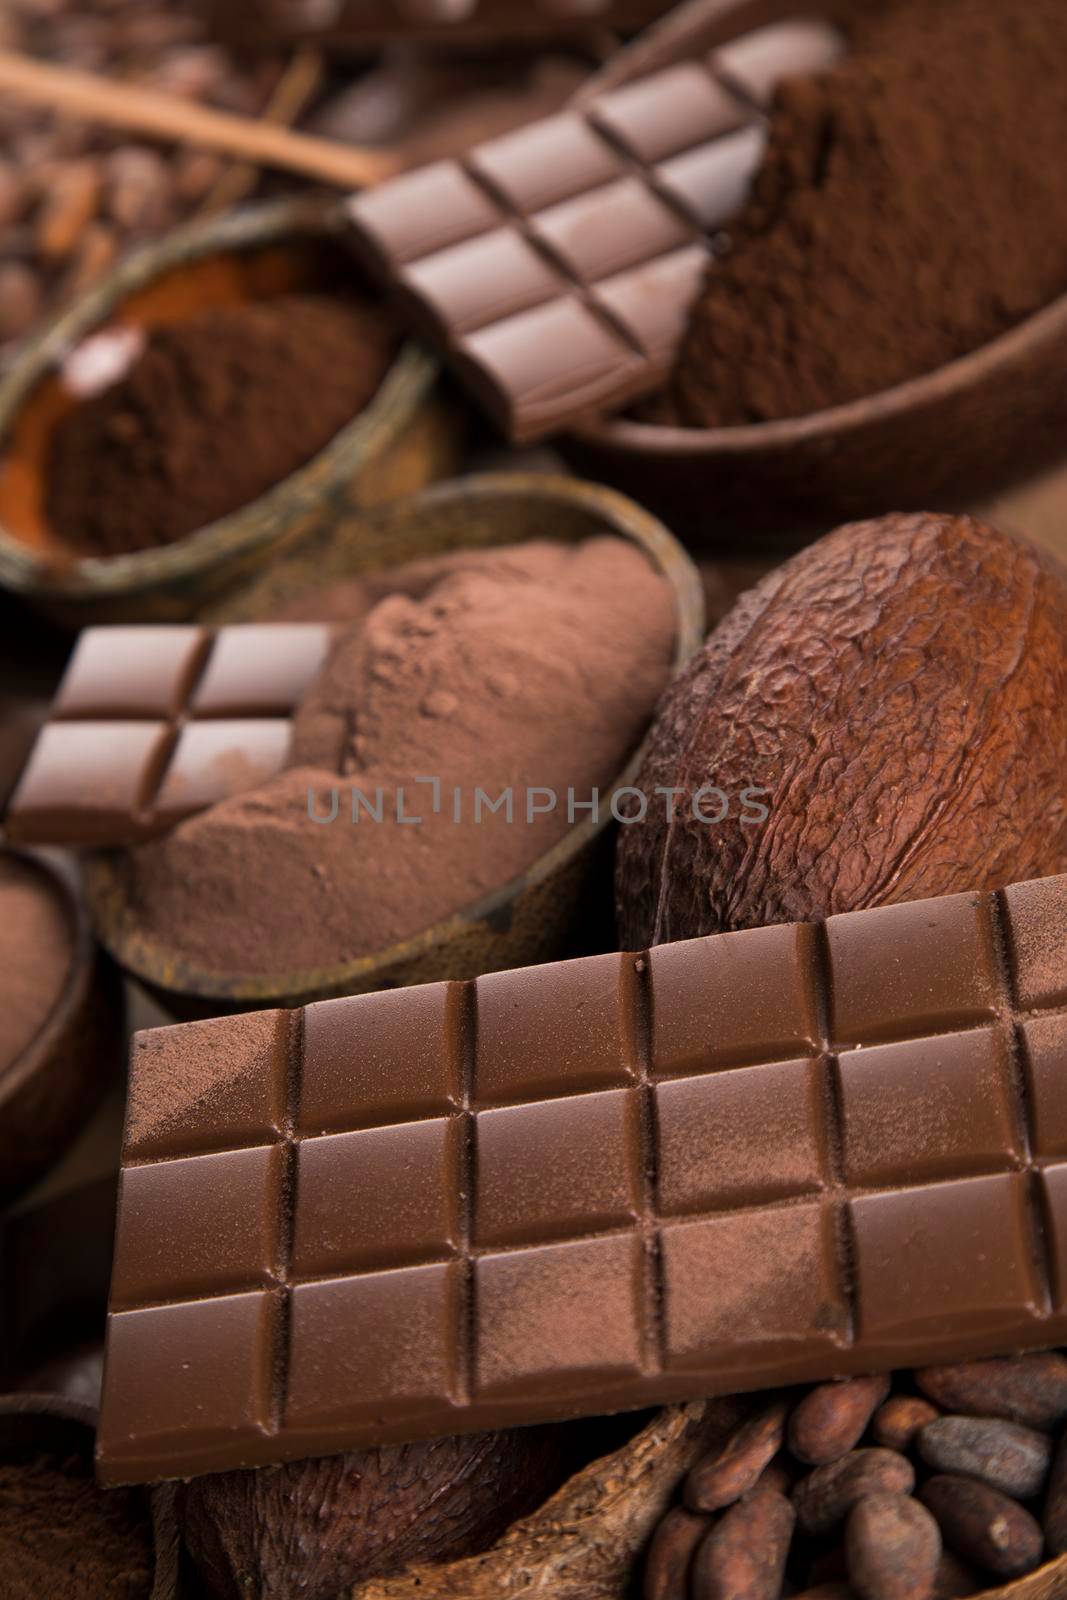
<point>556,265</point>
<point>151,724</point>
<point>746,1161</point>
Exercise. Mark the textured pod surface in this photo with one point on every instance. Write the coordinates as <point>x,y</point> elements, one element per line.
<point>314,1526</point>
<point>900,692</point>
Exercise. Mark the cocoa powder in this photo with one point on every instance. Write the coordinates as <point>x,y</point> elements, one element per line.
<point>61,1535</point>
<point>909,209</point>
<point>539,665</point>
<point>214,411</point>
<point>36,950</point>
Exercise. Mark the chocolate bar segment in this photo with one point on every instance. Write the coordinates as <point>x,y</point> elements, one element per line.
<point>150,725</point>
<point>556,265</point>
<point>744,1161</point>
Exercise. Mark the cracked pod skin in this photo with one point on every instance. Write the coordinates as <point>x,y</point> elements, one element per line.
<point>900,689</point>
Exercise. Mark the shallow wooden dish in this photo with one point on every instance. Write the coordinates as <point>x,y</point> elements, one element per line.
<point>942,440</point>
<point>68,1428</point>
<point>405,437</point>
<point>51,1089</point>
<point>524,921</point>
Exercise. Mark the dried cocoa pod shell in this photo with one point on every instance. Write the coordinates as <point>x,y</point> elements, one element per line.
<point>1004,1455</point>
<point>833,1417</point>
<point>1030,1389</point>
<point>744,1555</point>
<point>726,1474</point>
<point>882,784</point>
<point>893,1546</point>
<point>670,1555</point>
<point>1054,1518</point>
<point>896,1424</point>
<point>827,1495</point>
<point>983,1526</point>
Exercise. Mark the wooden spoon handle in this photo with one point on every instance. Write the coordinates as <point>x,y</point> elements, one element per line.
<point>166,117</point>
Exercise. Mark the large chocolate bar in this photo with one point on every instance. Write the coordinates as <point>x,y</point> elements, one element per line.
<point>556,266</point>
<point>372,21</point>
<point>750,1160</point>
<point>151,724</point>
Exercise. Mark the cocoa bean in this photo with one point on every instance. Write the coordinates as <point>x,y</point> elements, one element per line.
<point>729,1472</point>
<point>1030,1389</point>
<point>14,194</point>
<point>139,188</point>
<point>68,208</point>
<point>744,1555</point>
<point>670,1554</point>
<point>895,1424</point>
<point>832,1418</point>
<point>1004,1455</point>
<point>21,300</point>
<point>984,1526</point>
<point>954,1580</point>
<point>828,1494</point>
<point>1055,1517</point>
<point>893,1546</point>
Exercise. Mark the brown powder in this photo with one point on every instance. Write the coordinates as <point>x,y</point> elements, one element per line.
<point>539,667</point>
<point>36,951</point>
<point>910,208</point>
<point>214,411</point>
<point>62,1536</point>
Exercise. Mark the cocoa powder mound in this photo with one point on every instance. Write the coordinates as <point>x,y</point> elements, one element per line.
<point>215,410</point>
<point>910,208</point>
<point>36,951</point>
<point>60,1535</point>
<point>540,666</point>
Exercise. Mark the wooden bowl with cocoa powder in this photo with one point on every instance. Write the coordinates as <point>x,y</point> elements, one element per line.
<point>54,1082</point>
<point>946,439</point>
<point>526,920</point>
<point>403,438</point>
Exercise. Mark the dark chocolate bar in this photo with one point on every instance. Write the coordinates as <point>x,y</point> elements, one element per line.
<point>151,724</point>
<point>556,266</point>
<point>373,21</point>
<point>750,1160</point>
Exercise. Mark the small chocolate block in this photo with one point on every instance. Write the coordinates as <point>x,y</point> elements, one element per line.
<point>1053,1181</point>
<point>130,673</point>
<point>659,117</point>
<point>1045,1060</point>
<point>261,670</point>
<point>908,970</point>
<point>697,1021</point>
<point>1037,918</point>
<point>214,760</point>
<point>758,62</point>
<point>88,783</point>
<point>928,1108</point>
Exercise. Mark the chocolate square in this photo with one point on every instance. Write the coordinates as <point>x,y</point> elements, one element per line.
<point>545,162</point>
<point>261,670</point>
<point>681,107</point>
<point>611,229</point>
<point>423,211</point>
<point>1037,918</point>
<point>86,780</point>
<point>713,183</point>
<point>1044,1042</point>
<point>214,761</point>
<point>136,672</point>
<point>483,280</point>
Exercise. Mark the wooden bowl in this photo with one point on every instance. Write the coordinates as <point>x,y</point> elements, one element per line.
<point>941,440</point>
<point>405,437</point>
<point>524,921</point>
<point>53,1086</point>
<point>65,1428</point>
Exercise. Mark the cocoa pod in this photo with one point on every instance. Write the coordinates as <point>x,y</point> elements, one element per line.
<point>728,1473</point>
<point>1055,1515</point>
<point>893,1546</point>
<point>895,1424</point>
<point>68,208</point>
<point>670,1554</point>
<point>832,1418</point>
<point>828,1494</point>
<point>1030,1389</point>
<point>744,1555</point>
<point>1005,1455</point>
<point>984,1526</point>
<point>21,299</point>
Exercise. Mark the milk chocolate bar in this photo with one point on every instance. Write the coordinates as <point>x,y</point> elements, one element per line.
<point>749,1160</point>
<point>556,266</point>
<point>375,21</point>
<point>151,724</point>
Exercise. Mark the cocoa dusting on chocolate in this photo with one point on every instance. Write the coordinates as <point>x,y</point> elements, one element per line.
<point>910,209</point>
<point>538,666</point>
<point>215,411</point>
<point>62,1536</point>
<point>35,954</point>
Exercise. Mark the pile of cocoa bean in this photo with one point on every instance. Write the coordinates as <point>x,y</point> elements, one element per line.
<point>74,197</point>
<point>927,1485</point>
